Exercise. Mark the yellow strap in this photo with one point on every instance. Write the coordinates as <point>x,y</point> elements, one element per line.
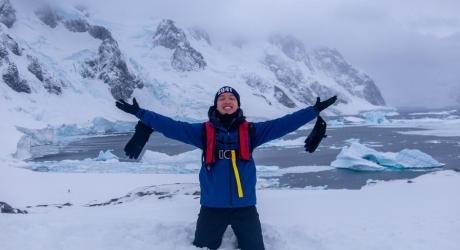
<point>237,175</point>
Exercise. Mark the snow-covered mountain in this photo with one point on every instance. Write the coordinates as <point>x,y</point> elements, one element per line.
<point>60,64</point>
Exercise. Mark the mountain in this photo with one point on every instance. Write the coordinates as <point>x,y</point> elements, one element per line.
<point>64,64</point>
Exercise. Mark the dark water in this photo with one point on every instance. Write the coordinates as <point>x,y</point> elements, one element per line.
<point>445,150</point>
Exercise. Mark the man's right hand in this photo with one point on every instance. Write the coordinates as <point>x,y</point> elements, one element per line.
<point>128,108</point>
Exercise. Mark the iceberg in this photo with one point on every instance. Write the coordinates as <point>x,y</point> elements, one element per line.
<point>377,117</point>
<point>106,156</point>
<point>359,157</point>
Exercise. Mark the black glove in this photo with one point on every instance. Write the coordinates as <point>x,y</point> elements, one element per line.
<point>320,106</point>
<point>135,145</point>
<point>316,135</point>
<point>128,108</point>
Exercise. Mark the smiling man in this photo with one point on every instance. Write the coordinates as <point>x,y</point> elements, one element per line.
<point>228,173</point>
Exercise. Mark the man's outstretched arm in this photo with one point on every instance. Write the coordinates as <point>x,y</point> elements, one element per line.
<point>190,133</point>
<point>273,129</point>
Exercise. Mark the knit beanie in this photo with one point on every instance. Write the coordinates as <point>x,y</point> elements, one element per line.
<point>227,89</point>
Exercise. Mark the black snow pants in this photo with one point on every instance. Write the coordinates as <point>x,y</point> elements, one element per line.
<point>212,223</point>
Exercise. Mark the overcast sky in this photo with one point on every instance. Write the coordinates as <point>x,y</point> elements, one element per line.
<point>410,48</point>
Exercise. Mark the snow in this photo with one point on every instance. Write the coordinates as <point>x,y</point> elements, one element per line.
<point>422,216</point>
<point>359,157</point>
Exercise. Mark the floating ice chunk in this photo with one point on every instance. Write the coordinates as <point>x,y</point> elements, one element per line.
<point>106,156</point>
<point>377,117</point>
<point>359,157</point>
<point>414,158</point>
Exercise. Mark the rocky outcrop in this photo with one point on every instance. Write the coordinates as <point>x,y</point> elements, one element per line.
<point>48,16</point>
<point>356,83</point>
<point>110,67</point>
<point>302,82</point>
<point>7,13</point>
<point>168,35</point>
<point>10,74</point>
<point>184,58</point>
<point>282,98</point>
<point>77,25</point>
<point>7,209</point>
<point>291,78</point>
<point>260,87</point>
<point>161,192</point>
<point>99,32</point>
<point>11,78</point>
<point>11,44</point>
<point>51,84</point>
<point>267,91</point>
<point>3,54</point>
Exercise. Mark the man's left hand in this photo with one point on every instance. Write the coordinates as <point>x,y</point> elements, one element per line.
<point>322,105</point>
<point>128,108</point>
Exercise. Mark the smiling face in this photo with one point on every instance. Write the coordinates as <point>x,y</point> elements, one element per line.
<point>227,103</point>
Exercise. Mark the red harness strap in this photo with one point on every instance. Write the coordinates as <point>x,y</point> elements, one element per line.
<point>210,156</point>
<point>243,132</point>
<point>244,141</point>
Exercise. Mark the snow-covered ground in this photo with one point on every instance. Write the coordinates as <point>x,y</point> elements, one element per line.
<point>104,203</point>
<point>161,210</point>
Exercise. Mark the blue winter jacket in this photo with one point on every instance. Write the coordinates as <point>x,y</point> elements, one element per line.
<point>218,187</point>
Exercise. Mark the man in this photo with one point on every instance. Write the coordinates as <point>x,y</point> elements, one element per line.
<point>228,173</point>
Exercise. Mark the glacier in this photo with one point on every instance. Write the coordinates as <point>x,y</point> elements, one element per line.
<point>59,136</point>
